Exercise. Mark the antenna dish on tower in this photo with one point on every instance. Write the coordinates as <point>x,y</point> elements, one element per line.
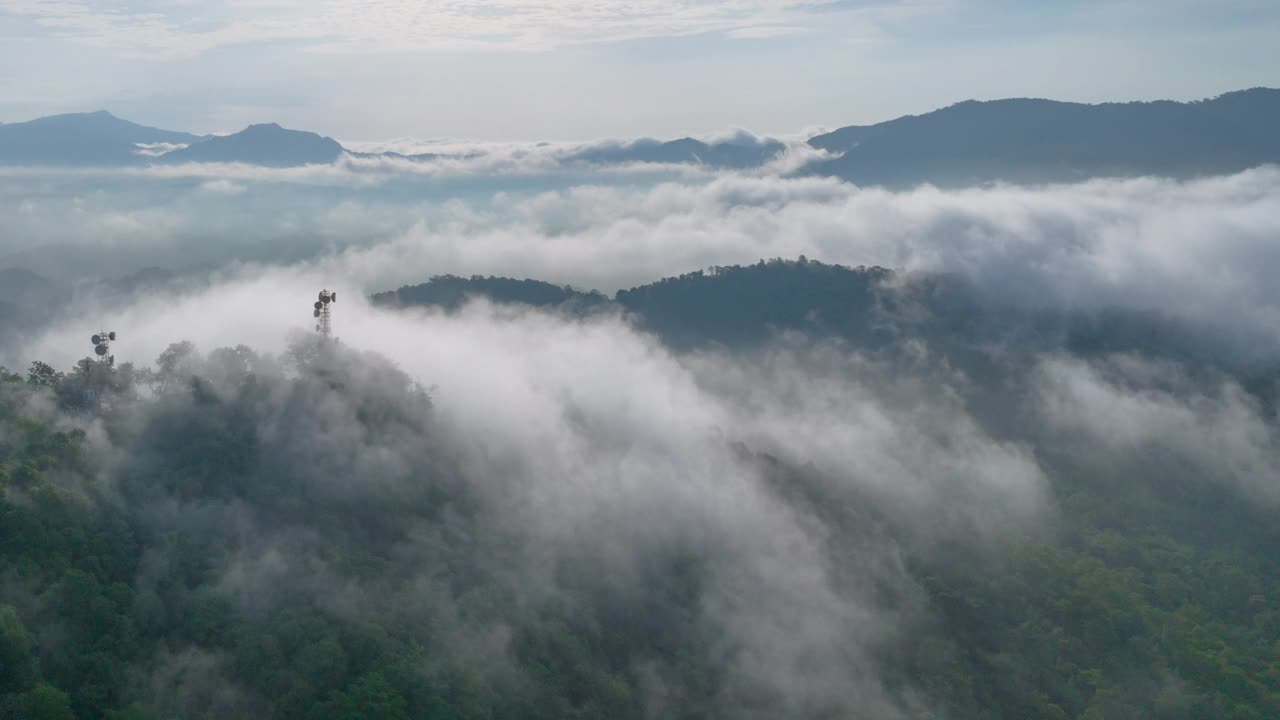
<point>102,345</point>
<point>323,312</point>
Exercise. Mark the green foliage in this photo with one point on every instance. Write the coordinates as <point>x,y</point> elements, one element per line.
<point>1140,603</point>
<point>17,666</point>
<point>451,292</point>
<point>370,697</point>
<point>44,375</point>
<point>742,304</point>
<point>42,702</point>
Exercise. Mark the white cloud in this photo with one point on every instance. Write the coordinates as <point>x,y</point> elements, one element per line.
<point>223,186</point>
<point>157,149</point>
<point>762,32</point>
<point>1196,250</point>
<point>1127,410</point>
<point>593,441</point>
<point>592,435</point>
<point>182,30</point>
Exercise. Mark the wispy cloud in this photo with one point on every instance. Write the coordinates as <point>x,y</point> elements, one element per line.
<point>225,187</point>
<point>762,32</point>
<point>183,30</point>
<point>157,149</point>
<point>169,32</point>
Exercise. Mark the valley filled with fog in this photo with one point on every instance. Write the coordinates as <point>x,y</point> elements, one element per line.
<point>1196,250</point>
<point>773,445</point>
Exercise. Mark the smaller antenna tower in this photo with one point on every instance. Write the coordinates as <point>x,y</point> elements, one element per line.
<point>323,313</point>
<point>102,346</point>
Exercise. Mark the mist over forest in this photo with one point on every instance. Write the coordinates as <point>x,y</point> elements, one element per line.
<point>650,440</point>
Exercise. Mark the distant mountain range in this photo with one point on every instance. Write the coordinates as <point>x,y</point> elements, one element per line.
<point>267,144</point>
<point>1015,140</point>
<point>1024,140</point>
<point>725,154</point>
<point>97,138</point>
<point>102,139</point>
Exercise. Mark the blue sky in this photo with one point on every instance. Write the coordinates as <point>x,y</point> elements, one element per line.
<point>582,69</point>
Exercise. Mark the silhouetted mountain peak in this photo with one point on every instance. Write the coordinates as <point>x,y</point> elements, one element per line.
<point>451,292</point>
<point>90,138</point>
<point>738,152</point>
<point>1253,92</point>
<point>98,119</point>
<point>1039,140</point>
<point>972,141</point>
<point>263,144</point>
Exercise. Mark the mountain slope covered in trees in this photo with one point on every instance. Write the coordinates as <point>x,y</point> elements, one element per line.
<point>873,307</point>
<point>1032,140</point>
<point>234,534</point>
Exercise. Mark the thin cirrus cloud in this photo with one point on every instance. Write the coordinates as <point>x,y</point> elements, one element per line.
<point>760,32</point>
<point>174,30</point>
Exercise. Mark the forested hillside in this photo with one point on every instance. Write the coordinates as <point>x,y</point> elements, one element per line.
<point>452,292</point>
<point>1024,140</point>
<point>873,307</point>
<point>233,534</point>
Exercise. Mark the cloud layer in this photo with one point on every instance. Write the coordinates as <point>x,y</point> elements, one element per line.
<point>394,26</point>
<point>1194,250</point>
<point>584,459</point>
<point>597,457</point>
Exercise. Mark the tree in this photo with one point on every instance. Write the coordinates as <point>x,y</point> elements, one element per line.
<point>43,374</point>
<point>44,702</point>
<point>372,698</point>
<point>17,670</point>
<point>176,360</point>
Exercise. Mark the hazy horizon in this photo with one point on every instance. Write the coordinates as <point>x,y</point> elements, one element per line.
<point>711,134</point>
<point>584,70</point>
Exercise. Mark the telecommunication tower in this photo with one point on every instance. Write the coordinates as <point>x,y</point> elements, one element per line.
<point>102,346</point>
<point>323,313</point>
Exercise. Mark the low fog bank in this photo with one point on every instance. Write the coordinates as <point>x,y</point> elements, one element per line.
<point>763,515</point>
<point>562,464</point>
<point>1196,250</point>
<point>539,506</point>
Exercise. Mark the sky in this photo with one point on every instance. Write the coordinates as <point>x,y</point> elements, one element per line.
<point>586,69</point>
